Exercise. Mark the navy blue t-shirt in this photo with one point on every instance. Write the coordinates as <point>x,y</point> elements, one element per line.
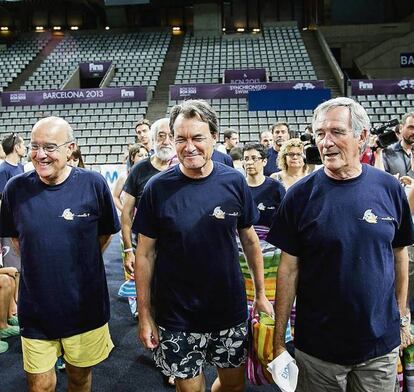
<point>139,175</point>
<point>267,197</point>
<point>63,290</point>
<point>343,233</point>
<point>198,285</point>
<point>7,171</point>
<point>222,158</point>
<point>271,165</point>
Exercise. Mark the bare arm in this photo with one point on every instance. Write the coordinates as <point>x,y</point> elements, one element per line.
<point>104,241</point>
<point>16,245</point>
<point>144,269</point>
<point>379,160</point>
<point>401,291</point>
<point>116,192</point>
<point>126,223</point>
<point>287,277</point>
<point>254,257</point>
<point>411,200</point>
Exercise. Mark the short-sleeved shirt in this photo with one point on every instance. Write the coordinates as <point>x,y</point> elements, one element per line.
<point>7,171</point>
<point>139,175</point>
<point>271,165</point>
<point>63,289</point>
<point>343,233</point>
<point>267,197</point>
<point>219,156</point>
<point>397,161</point>
<point>198,285</point>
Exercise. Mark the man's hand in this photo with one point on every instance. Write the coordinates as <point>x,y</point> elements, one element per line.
<point>148,332</point>
<point>262,304</point>
<point>277,350</point>
<point>129,261</point>
<point>406,338</point>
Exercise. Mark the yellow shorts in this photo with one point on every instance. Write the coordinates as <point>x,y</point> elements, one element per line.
<point>83,350</point>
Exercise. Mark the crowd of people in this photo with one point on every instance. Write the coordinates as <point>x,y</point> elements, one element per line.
<point>207,230</point>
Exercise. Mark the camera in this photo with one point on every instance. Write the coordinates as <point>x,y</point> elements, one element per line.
<point>385,134</point>
<point>311,151</point>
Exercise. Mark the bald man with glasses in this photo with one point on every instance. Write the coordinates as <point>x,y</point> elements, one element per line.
<point>61,219</point>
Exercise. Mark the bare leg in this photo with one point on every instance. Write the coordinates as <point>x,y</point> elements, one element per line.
<point>79,379</point>
<point>42,382</point>
<point>13,302</point>
<point>196,384</point>
<point>229,380</point>
<point>16,293</point>
<point>5,297</point>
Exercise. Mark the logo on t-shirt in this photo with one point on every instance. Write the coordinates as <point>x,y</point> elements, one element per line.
<point>262,207</point>
<point>218,213</point>
<point>67,214</point>
<point>370,217</point>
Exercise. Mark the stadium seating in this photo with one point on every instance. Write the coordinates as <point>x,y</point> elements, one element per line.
<point>382,108</point>
<point>280,50</point>
<point>102,130</point>
<point>16,57</point>
<point>138,58</point>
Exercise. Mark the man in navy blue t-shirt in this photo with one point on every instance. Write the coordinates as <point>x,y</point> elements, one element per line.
<point>160,160</point>
<point>280,131</point>
<point>192,302</point>
<point>15,150</point>
<point>61,218</point>
<point>344,232</point>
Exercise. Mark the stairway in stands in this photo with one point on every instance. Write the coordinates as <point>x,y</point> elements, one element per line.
<point>157,108</point>
<point>319,62</point>
<point>28,71</point>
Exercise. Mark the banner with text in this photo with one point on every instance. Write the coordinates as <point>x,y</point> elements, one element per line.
<point>382,86</point>
<point>86,95</point>
<point>243,76</point>
<point>406,60</point>
<point>211,91</point>
<point>96,69</point>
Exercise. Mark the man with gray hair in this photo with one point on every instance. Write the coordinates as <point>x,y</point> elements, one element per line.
<point>61,219</point>
<point>164,152</point>
<point>344,232</point>
<point>192,302</point>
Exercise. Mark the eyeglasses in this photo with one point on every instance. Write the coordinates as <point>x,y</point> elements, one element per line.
<point>252,159</point>
<point>294,154</point>
<point>50,147</point>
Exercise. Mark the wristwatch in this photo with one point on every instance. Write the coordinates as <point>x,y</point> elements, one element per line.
<point>404,321</point>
